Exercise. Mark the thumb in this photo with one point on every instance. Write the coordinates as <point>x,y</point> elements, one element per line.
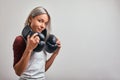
<point>28,37</point>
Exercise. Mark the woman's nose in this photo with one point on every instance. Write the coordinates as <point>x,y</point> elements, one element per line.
<point>42,25</point>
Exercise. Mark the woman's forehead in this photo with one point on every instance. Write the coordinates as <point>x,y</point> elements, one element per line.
<point>43,16</point>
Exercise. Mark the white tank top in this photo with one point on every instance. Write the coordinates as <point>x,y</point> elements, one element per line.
<point>36,67</point>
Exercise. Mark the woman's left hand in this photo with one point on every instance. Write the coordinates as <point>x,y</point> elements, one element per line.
<point>59,46</point>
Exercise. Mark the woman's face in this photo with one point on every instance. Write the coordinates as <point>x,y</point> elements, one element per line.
<point>39,23</point>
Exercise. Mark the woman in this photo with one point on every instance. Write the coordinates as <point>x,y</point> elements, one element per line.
<point>29,64</point>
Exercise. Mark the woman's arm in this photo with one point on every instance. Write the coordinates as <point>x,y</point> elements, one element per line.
<point>21,65</point>
<point>51,59</point>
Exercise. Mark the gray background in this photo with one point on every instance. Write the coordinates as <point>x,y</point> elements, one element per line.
<point>89,31</point>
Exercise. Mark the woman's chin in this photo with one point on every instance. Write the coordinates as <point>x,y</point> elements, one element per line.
<point>39,31</point>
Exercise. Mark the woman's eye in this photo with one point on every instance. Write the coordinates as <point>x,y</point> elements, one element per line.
<point>46,23</point>
<point>40,20</point>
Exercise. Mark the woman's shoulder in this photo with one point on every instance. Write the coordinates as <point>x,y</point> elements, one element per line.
<point>19,40</point>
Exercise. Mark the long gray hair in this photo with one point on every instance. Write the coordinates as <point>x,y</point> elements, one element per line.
<point>38,11</point>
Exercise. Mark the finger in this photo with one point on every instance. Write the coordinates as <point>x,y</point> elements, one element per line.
<point>58,41</point>
<point>28,37</point>
<point>59,46</point>
<point>34,35</point>
<point>37,39</point>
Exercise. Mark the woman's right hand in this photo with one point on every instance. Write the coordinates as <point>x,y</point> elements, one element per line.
<point>32,41</point>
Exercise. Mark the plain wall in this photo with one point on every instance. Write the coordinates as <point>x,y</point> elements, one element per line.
<point>89,31</point>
